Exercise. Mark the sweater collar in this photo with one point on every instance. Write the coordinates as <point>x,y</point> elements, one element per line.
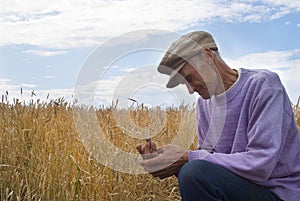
<point>231,92</point>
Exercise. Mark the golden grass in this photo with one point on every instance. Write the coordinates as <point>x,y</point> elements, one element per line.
<point>42,157</point>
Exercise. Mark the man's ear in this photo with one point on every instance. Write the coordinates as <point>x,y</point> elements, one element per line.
<point>208,52</point>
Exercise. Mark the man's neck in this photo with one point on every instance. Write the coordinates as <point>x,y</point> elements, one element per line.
<point>228,76</point>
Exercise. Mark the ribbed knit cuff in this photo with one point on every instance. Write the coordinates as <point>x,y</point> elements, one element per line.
<point>196,155</point>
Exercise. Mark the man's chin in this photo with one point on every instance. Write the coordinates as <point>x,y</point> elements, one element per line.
<point>205,96</point>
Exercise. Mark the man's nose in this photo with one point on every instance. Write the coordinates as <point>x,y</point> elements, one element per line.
<point>190,88</point>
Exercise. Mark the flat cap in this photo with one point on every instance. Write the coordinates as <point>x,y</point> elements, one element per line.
<point>181,51</point>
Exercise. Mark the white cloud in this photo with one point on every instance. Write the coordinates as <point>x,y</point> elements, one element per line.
<point>14,92</point>
<point>53,94</point>
<point>270,59</point>
<point>26,85</point>
<point>143,84</point>
<point>4,81</point>
<point>6,85</point>
<point>66,24</point>
<point>44,53</point>
<point>49,77</point>
<point>298,25</point>
<point>27,92</point>
<point>285,63</point>
<point>290,4</point>
<point>128,70</point>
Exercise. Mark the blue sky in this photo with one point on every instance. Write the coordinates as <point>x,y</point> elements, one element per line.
<point>45,44</point>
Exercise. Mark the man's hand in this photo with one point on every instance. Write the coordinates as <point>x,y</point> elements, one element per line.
<point>167,162</point>
<point>147,150</point>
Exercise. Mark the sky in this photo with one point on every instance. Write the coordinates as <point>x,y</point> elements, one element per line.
<point>46,47</point>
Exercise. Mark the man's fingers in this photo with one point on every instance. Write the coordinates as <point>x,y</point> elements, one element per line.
<point>153,147</point>
<point>160,174</point>
<point>151,165</point>
<point>153,169</point>
<point>139,148</point>
<point>167,171</point>
<point>163,173</point>
<point>150,146</point>
<point>164,162</point>
<point>147,150</point>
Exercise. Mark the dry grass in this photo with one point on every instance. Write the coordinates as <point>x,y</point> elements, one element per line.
<point>42,157</point>
<point>297,114</point>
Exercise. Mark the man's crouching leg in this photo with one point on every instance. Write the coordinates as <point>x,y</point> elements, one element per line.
<point>201,180</point>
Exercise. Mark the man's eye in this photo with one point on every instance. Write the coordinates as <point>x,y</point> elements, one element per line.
<point>188,78</point>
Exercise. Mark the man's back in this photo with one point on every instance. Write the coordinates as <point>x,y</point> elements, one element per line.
<point>258,139</point>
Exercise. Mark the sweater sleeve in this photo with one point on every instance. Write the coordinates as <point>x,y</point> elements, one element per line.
<point>266,133</point>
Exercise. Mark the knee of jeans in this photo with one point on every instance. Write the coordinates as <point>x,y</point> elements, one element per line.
<point>194,171</point>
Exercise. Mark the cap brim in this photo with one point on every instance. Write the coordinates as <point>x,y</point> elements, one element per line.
<point>175,78</point>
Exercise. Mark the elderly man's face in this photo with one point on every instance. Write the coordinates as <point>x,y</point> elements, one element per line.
<point>201,77</point>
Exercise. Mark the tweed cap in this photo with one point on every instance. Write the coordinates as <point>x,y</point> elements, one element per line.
<point>181,51</point>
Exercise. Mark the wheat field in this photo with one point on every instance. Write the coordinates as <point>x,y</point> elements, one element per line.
<point>42,156</point>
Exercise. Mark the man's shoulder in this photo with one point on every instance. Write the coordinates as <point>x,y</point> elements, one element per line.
<point>261,76</point>
<point>259,73</point>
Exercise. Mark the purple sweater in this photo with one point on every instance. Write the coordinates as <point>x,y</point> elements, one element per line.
<point>253,133</point>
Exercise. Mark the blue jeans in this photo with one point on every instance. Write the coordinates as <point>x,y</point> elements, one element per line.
<point>200,180</point>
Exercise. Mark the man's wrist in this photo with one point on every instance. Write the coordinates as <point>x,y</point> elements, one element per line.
<point>186,156</point>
